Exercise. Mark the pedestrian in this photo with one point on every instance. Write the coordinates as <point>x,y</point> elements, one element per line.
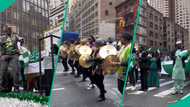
<point>178,74</point>
<point>153,77</point>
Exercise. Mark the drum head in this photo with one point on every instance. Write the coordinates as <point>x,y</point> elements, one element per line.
<point>85,50</point>
<point>107,50</point>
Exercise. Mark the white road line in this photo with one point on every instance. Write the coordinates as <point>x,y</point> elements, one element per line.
<point>167,92</point>
<point>58,89</point>
<point>164,93</point>
<point>161,85</point>
<point>138,85</point>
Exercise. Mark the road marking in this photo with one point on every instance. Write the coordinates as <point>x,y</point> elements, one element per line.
<point>164,93</point>
<point>58,89</point>
<point>161,85</point>
<point>137,92</point>
<point>139,85</point>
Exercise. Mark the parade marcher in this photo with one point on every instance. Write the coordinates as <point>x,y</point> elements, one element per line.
<point>178,74</point>
<point>76,60</point>
<point>98,77</point>
<point>153,78</point>
<point>64,55</point>
<point>123,58</point>
<point>71,56</point>
<point>144,67</point>
<point>9,61</point>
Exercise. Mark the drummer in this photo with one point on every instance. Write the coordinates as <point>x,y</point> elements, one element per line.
<point>123,57</point>
<point>98,77</point>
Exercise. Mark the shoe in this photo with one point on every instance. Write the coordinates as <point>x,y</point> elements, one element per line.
<point>101,99</point>
<point>90,86</point>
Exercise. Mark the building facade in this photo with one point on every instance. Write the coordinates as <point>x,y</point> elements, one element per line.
<point>30,19</point>
<point>155,30</point>
<point>126,10</point>
<point>91,15</point>
<point>179,11</point>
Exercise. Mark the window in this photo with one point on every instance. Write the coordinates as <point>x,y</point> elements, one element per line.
<point>151,24</point>
<point>110,3</point>
<point>106,12</point>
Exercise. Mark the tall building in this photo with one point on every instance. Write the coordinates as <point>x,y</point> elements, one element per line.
<point>155,30</point>
<point>161,5</point>
<point>173,32</point>
<point>95,17</point>
<point>179,11</point>
<point>30,19</point>
<point>56,17</point>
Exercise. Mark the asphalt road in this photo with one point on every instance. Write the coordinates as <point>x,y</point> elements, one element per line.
<point>70,92</point>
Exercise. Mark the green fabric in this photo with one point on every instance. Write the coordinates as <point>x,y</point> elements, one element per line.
<point>178,70</point>
<point>153,79</point>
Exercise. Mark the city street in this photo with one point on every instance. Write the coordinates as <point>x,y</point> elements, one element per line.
<point>70,92</point>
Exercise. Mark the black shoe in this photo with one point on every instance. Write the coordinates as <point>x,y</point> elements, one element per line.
<point>101,99</point>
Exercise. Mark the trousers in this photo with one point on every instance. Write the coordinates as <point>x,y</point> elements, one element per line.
<point>9,71</point>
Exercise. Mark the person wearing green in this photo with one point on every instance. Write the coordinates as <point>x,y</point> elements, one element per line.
<point>123,60</point>
<point>178,74</point>
<point>153,79</point>
<point>9,68</point>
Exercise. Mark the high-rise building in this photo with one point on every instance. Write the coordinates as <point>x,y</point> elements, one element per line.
<point>179,11</point>
<point>30,19</point>
<point>155,30</point>
<point>161,5</point>
<point>95,17</point>
<point>56,17</point>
